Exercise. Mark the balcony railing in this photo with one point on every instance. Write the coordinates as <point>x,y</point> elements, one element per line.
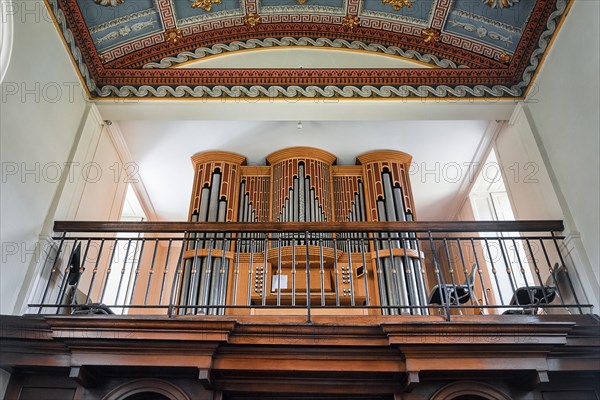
<point>382,269</point>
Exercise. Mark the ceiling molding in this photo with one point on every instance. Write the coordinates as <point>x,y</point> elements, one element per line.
<point>306,110</point>
<point>501,54</point>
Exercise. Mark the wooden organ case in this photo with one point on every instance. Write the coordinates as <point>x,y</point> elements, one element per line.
<point>256,271</point>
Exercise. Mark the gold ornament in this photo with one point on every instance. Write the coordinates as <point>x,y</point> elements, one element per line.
<point>430,35</point>
<point>252,20</point>
<point>351,21</point>
<point>206,5</point>
<point>173,35</point>
<point>398,4</point>
<point>504,58</point>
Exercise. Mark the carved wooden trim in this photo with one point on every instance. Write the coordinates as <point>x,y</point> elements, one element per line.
<point>417,226</point>
<point>462,388</point>
<point>159,386</point>
<point>384,155</point>
<point>301,152</point>
<point>224,156</point>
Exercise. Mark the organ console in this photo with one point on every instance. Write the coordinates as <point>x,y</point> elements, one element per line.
<point>301,184</point>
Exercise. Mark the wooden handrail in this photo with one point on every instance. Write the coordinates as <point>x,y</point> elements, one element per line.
<point>266,227</point>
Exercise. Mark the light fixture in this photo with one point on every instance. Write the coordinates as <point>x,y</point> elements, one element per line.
<point>299,124</point>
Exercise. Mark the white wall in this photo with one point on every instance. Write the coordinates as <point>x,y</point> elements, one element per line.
<point>526,177</point>
<point>564,111</point>
<point>42,105</point>
<point>41,109</point>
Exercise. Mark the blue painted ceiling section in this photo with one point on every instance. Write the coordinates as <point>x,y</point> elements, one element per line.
<point>184,10</point>
<point>499,27</point>
<point>95,14</point>
<point>473,19</point>
<point>420,9</point>
<point>516,16</point>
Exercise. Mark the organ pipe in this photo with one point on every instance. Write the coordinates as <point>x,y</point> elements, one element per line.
<point>301,185</point>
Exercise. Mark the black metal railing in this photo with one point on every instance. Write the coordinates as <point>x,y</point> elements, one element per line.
<point>392,268</point>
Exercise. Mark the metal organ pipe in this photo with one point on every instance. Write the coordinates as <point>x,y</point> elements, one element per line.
<point>296,186</point>
<point>404,281</point>
<point>204,278</point>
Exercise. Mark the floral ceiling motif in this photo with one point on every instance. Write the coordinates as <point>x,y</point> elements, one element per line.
<point>467,49</point>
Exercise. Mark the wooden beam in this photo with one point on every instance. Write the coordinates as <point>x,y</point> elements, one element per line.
<point>266,227</point>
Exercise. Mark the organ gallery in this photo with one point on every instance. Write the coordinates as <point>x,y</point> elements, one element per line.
<point>302,184</point>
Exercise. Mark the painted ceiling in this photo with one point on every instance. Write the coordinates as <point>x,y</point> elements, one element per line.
<point>458,48</point>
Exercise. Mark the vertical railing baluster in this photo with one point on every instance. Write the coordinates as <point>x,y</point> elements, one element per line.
<point>137,270</point>
<point>499,290</point>
<point>470,285</point>
<point>80,271</point>
<point>308,318</point>
<point>63,285</point>
<point>399,290</point>
<point>552,273</point>
<point>205,278</point>
<point>94,272</point>
<point>537,270</point>
<point>350,274</point>
<point>483,288</point>
<point>365,272</point>
<point>336,273</point>
<point>278,272</point>
<point>422,283</point>
<point>507,263</point>
<point>250,271</point>
<point>566,273</point>
<point>522,268</point>
<point>176,275</point>
<point>52,271</point>
<point>165,271</point>
<point>265,272</point>
<point>109,269</point>
<point>408,277</point>
<point>123,272</point>
<point>451,270</point>
<point>193,295</point>
<point>383,300</point>
<point>236,272</point>
<point>294,271</point>
<point>439,277</point>
<point>322,272</point>
<point>151,272</point>
<point>221,292</point>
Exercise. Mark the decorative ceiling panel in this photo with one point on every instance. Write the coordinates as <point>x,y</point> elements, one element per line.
<point>477,48</point>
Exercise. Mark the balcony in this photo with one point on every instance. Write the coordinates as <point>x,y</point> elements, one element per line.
<point>409,310</point>
<point>426,269</point>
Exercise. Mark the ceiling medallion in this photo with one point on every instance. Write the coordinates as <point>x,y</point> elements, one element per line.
<point>430,35</point>
<point>206,5</point>
<point>500,3</point>
<point>350,21</point>
<point>109,3</point>
<point>398,4</point>
<point>252,20</point>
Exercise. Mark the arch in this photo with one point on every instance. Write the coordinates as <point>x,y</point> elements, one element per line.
<point>478,390</point>
<point>147,385</point>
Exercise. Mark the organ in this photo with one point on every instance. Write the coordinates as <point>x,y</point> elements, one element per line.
<point>301,184</point>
